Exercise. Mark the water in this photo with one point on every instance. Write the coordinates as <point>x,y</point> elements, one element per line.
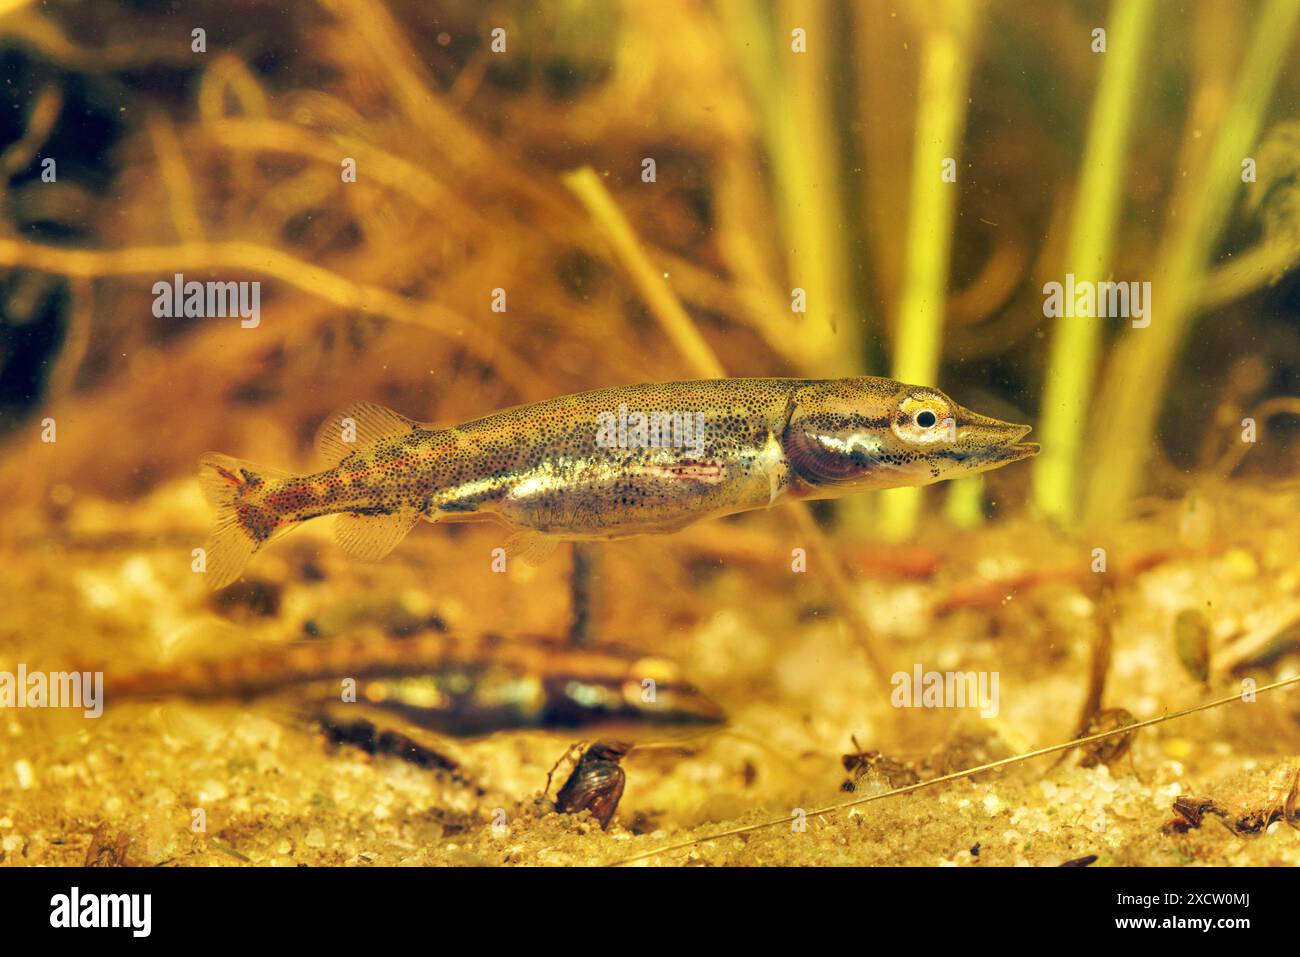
<point>214,240</point>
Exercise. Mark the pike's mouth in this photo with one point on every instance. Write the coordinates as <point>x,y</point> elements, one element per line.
<point>1017,451</point>
<point>999,443</point>
<point>1007,446</point>
<point>990,455</point>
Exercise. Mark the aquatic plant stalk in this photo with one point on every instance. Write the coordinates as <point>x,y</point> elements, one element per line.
<point>1135,383</point>
<point>665,306</point>
<point>176,177</point>
<point>940,121</point>
<point>1076,341</point>
<point>964,506</point>
<point>1248,273</point>
<point>798,127</point>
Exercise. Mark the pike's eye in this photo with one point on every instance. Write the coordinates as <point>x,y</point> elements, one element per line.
<point>924,419</point>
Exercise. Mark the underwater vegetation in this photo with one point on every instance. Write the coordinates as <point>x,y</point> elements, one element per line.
<point>703,332</point>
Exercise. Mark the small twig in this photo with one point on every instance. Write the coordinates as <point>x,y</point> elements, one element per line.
<point>1289,805</point>
<point>227,849</point>
<point>578,747</point>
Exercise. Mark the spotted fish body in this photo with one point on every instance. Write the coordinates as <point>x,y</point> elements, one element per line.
<point>606,464</point>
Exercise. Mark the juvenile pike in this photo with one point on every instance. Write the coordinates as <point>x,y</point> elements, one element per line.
<point>454,683</point>
<point>606,464</point>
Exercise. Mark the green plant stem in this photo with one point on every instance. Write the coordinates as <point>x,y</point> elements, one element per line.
<point>1076,341</point>
<point>1136,380</point>
<point>799,131</point>
<point>940,121</point>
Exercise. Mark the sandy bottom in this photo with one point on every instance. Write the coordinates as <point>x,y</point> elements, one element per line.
<point>184,783</point>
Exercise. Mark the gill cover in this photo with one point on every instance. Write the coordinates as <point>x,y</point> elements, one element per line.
<point>852,434</point>
<point>839,431</point>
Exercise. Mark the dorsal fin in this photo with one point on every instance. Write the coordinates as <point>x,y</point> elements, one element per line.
<point>358,426</point>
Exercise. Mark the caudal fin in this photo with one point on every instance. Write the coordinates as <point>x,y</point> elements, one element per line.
<point>236,490</point>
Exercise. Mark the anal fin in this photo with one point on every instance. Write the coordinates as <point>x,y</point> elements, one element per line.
<point>371,537</point>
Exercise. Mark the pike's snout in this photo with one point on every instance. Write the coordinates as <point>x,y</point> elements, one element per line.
<point>993,439</point>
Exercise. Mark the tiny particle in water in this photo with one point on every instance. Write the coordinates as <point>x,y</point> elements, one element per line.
<point>1192,642</point>
<point>26,776</point>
